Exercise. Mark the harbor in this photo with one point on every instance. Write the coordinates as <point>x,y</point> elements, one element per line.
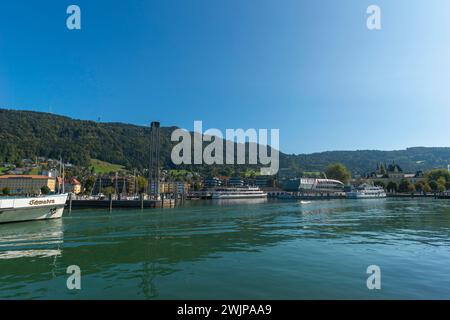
<point>74,203</point>
<point>225,155</point>
<point>234,250</point>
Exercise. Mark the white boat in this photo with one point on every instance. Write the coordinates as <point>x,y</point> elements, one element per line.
<point>367,191</point>
<point>238,193</point>
<point>320,185</point>
<point>32,208</point>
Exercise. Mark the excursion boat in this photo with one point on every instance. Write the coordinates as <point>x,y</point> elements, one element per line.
<point>238,193</point>
<point>320,185</point>
<point>19,209</point>
<point>367,191</point>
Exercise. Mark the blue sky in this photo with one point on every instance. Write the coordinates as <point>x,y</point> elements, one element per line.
<point>310,68</point>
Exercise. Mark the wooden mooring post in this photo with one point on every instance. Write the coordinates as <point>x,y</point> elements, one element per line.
<point>70,203</point>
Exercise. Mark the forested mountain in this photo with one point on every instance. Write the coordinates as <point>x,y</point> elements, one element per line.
<point>366,161</point>
<point>26,134</point>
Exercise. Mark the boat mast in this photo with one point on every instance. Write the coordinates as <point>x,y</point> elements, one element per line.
<point>63,174</point>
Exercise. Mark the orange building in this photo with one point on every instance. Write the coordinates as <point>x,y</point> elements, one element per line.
<point>26,184</point>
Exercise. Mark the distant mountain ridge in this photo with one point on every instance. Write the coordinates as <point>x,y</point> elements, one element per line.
<point>365,161</point>
<point>26,134</point>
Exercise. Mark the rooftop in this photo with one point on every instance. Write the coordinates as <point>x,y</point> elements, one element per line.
<point>22,176</point>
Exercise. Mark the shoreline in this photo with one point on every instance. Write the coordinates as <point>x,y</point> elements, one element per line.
<point>171,203</point>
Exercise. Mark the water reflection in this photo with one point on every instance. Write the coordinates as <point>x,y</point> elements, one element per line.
<point>161,240</point>
<point>128,253</point>
<point>249,201</point>
<point>31,239</point>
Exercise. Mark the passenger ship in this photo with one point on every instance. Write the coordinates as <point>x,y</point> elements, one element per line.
<point>366,191</point>
<point>32,208</point>
<point>238,193</point>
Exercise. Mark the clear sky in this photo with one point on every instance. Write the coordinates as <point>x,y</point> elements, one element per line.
<point>310,68</point>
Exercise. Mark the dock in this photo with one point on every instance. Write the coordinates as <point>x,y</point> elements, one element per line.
<point>111,203</point>
<point>415,195</point>
<point>166,203</point>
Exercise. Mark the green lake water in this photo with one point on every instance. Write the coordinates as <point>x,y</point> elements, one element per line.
<point>234,250</point>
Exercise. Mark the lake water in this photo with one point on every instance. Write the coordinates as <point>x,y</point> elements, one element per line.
<point>234,250</point>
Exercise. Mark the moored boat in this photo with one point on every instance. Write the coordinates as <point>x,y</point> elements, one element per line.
<point>238,193</point>
<point>367,191</point>
<point>17,209</point>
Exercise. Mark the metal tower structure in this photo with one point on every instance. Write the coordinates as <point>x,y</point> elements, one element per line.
<point>154,165</point>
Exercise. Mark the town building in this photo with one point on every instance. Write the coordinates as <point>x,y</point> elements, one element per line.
<point>286,174</point>
<point>395,173</point>
<point>183,187</point>
<point>121,185</point>
<point>19,171</point>
<point>171,187</point>
<point>263,182</point>
<point>53,173</point>
<point>212,182</point>
<point>236,182</point>
<point>72,186</point>
<point>26,184</point>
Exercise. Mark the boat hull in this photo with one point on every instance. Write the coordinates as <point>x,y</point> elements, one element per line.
<point>236,196</point>
<point>27,209</point>
<point>365,196</point>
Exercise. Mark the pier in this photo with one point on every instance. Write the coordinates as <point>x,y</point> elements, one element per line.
<point>84,204</point>
<point>110,203</point>
<point>416,195</point>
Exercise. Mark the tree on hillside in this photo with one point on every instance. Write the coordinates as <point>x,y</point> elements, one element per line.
<point>426,187</point>
<point>383,170</point>
<point>45,190</point>
<point>419,186</point>
<point>441,184</point>
<point>438,174</point>
<point>89,184</point>
<point>406,186</point>
<point>339,172</point>
<point>441,180</point>
<point>142,184</point>
<point>433,185</point>
<point>392,186</point>
<point>109,190</point>
<point>422,186</point>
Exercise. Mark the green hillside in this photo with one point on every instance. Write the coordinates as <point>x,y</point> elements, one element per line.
<point>104,167</point>
<point>26,134</point>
